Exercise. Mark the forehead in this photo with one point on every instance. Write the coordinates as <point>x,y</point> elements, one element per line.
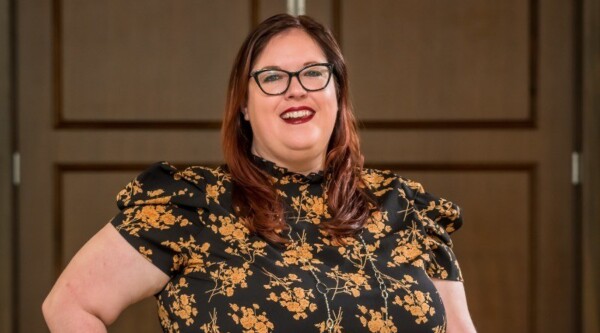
<point>290,49</point>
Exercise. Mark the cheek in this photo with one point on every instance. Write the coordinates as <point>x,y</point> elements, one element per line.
<point>253,98</point>
<point>263,119</point>
<point>331,105</point>
<point>332,92</point>
<point>260,107</point>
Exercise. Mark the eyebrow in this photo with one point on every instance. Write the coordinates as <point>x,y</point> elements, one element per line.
<point>277,67</point>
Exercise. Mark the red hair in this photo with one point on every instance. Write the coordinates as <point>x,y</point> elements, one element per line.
<point>254,196</point>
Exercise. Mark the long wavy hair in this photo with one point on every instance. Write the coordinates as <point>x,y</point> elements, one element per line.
<point>254,197</point>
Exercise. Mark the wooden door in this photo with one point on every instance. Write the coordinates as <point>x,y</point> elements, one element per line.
<point>472,99</point>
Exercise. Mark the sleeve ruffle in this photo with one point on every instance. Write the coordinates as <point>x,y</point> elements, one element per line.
<point>440,218</point>
<point>159,213</point>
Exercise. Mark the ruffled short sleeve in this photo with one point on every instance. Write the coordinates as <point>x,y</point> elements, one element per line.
<point>159,213</point>
<point>440,218</point>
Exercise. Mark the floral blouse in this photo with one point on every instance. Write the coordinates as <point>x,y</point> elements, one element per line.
<point>224,279</point>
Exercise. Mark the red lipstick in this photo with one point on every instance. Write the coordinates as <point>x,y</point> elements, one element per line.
<point>301,114</point>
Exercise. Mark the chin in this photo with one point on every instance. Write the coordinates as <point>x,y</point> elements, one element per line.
<point>305,140</point>
<point>300,146</point>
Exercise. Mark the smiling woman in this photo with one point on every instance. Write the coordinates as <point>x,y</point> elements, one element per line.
<point>290,234</point>
<point>306,139</point>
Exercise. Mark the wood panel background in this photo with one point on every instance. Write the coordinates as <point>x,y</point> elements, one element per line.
<point>589,98</point>
<point>484,53</point>
<point>470,99</point>
<point>7,243</point>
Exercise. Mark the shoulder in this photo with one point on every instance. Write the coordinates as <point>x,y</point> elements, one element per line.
<point>164,183</point>
<point>381,182</point>
<point>437,212</point>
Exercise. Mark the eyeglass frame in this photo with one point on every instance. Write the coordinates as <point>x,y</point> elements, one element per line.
<point>291,75</point>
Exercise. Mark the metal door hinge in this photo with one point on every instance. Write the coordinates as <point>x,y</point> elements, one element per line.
<point>16,172</point>
<point>575,174</point>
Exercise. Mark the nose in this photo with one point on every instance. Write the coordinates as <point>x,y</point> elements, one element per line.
<point>295,89</point>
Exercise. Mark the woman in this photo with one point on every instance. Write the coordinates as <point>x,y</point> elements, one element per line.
<point>291,234</point>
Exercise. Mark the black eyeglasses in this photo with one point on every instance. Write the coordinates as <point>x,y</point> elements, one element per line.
<point>277,81</point>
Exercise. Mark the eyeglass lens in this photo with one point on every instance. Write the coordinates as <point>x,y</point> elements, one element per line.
<point>311,78</point>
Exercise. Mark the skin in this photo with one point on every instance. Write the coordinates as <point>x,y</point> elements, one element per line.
<point>300,148</point>
<point>95,288</point>
<point>455,304</point>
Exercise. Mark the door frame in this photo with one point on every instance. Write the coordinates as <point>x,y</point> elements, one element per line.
<point>588,104</point>
<point>8,190</point>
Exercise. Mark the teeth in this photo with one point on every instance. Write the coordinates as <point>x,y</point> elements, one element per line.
<point>296,114</point>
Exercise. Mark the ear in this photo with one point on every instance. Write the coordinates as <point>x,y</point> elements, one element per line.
<point>245,113</point>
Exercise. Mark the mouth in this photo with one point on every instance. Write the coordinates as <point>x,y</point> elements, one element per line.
<point>297,115</point>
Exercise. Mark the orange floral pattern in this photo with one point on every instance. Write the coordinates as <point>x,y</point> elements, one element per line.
<point>224,278</point>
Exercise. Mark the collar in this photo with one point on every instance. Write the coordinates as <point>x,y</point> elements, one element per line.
<point>280,172</point>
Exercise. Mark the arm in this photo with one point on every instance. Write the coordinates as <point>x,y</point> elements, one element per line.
<point>455,303</point>
<point>102,279</point>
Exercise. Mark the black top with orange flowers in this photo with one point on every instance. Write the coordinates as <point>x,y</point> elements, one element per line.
<point>224,279</point>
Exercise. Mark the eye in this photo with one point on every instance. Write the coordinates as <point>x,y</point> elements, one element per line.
<point>268,77</point>
<point>313,72</point>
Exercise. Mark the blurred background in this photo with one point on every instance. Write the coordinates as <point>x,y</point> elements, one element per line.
<point>491,104</point>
